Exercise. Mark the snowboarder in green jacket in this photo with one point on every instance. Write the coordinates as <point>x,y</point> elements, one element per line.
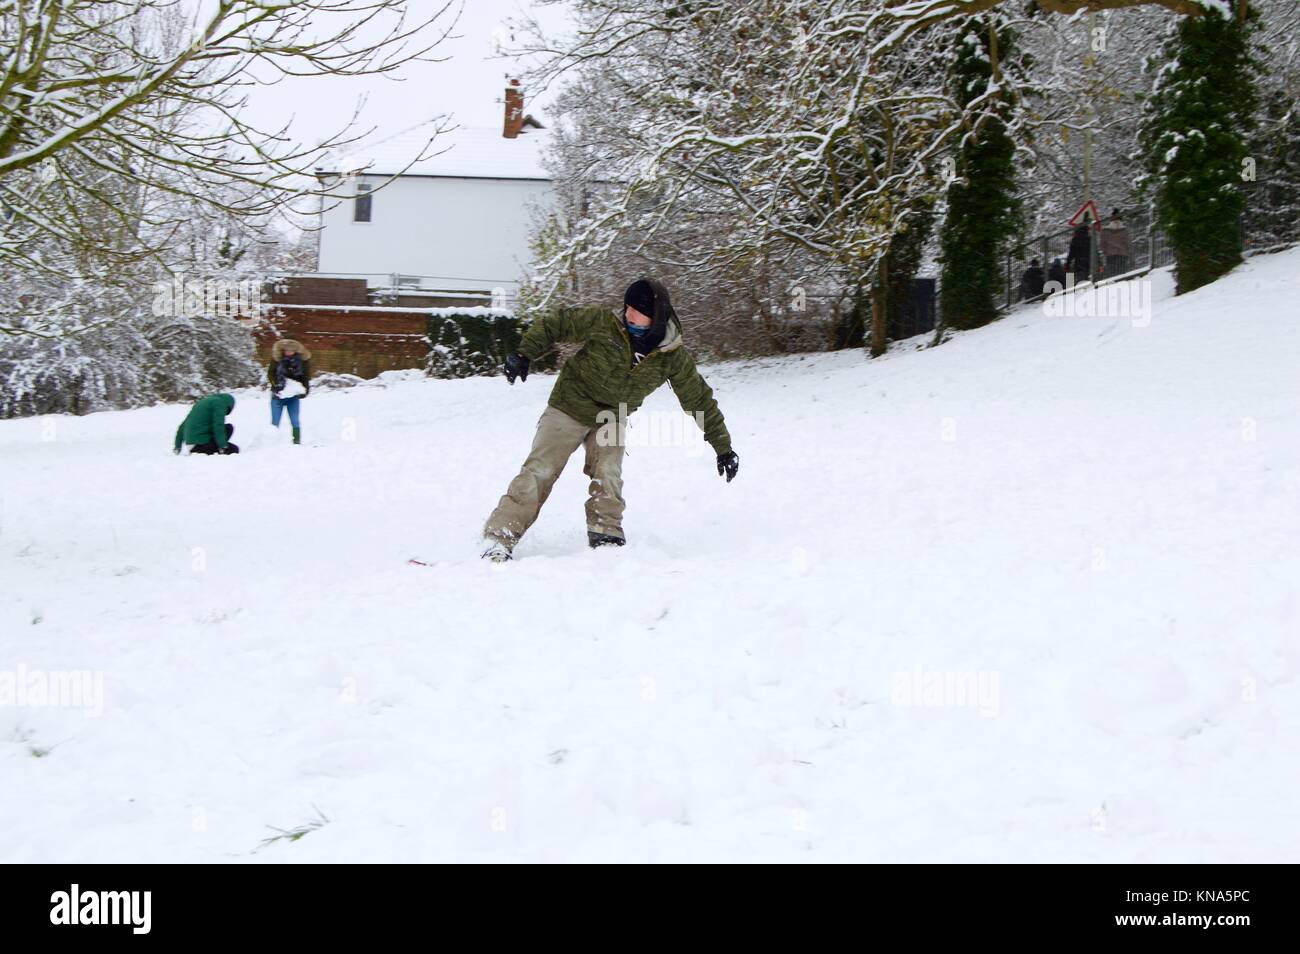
<point>205,427</point>
<point>623,359</point>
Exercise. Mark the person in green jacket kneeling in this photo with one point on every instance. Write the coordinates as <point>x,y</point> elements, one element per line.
<point>205,427</point>
<point>621,362</point>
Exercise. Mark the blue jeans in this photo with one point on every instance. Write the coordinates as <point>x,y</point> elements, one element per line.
<point>278,406</point>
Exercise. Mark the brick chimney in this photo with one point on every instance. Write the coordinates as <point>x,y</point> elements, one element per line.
<point>514,120</point>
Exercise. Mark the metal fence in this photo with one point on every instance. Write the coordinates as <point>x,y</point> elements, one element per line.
<point>499,293</point>
<point>1149,249</point>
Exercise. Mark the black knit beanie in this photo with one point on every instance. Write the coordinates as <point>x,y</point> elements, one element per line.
<point>641,296</point>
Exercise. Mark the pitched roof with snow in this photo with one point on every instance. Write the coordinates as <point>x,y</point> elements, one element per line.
<point>476,152</point>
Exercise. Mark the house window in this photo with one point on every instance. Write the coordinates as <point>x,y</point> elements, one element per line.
<point>361,204</point>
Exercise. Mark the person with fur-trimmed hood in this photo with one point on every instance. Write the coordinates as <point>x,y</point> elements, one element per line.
<point>624,358</point>
<point>289,375</point>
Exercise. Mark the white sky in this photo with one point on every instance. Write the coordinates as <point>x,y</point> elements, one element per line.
<point>468,84</point>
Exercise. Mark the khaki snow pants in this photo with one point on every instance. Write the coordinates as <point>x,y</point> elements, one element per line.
<point>558,436</point>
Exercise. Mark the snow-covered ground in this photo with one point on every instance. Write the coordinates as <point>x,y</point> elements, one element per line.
<point>1031,595</point>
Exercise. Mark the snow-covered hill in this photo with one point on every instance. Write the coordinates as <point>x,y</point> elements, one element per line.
<point>1031,595</point>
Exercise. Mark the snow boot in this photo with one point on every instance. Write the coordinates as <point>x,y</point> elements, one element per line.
<point>595,539</point>
<point>297,435</point>
<point>497,553</point>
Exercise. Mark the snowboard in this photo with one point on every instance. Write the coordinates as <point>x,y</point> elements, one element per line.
<point>430,565</point>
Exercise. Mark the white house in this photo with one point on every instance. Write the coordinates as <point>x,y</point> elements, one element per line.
<point>455,221</point>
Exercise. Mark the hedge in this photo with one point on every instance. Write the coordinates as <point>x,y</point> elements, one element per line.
<point>470,341</point>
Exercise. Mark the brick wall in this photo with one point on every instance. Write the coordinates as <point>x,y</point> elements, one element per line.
<point>307,290</point>
<point>347,340</point>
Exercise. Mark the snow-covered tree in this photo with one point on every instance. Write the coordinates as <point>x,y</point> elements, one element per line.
<point>1273,194</point>
<point>791,147</point>
<point>741,295</point>
<point>805,126</point>
<point>115,106</point>
<point>983,214</point>
<point>118,332</point>
<point>1085,86</point>
<point>1196,140</point>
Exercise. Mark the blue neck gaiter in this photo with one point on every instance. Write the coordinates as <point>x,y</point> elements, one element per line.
<point>636,331</point>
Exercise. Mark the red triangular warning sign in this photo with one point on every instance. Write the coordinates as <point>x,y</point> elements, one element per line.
<point>1088,206</point>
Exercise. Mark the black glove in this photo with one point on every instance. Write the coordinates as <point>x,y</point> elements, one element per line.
<point>516,366</point>
<point>728,464</point>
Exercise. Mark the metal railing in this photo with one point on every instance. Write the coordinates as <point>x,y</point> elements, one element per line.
<point>1149,249</point>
